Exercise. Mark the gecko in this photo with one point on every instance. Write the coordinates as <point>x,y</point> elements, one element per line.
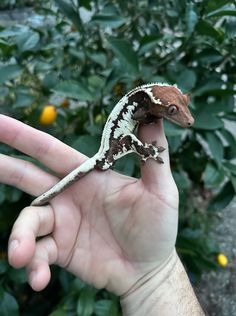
<point>142,105</point>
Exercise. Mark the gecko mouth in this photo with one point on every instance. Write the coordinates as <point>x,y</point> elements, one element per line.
<point>186,124</point>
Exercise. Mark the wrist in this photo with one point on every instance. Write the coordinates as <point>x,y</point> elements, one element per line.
<point>165,290</point>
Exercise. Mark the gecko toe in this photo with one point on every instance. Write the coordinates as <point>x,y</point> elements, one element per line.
<point>161,149</point>
<point>160,160</point>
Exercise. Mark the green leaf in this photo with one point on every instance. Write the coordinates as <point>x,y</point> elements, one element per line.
<point>205,117</point>
<point>12,194</point>
<point>147,43</point>
<point>191,18</point>
<point>2,191</point>
<point>182,180</point>
<point>109,17</point>
<point>3,43</point>
<point>230,116</point>
<point>102,307</point>
<point>233,181</point>
<point>78,285</point>
<point>69,11</point>
<point>106,308</point>
<point>9,72</point>
<point>15,30</point>
<point>215,146</point>
<point>208,86</point>
<point>41,66</point>
<point>213,176</point>
<point>86,4</point>
<point>222,199</point>
<point>221,12</point>
<point>86,301</point>
<point>125,53</point>
<point>50,80</point>
<point>213,5</point>
<point>99,58</point>
<point>59,312</point>
<point>230,166</point>
<point>207,122</point>
<point>17,276</point>
<point>175,143</point>
<point>8,304</point>
<point>205,28</point>
<point>230,140</point>
<point>187,80</point>
<point>96,84</point>
<point>73,89</point>
<point>27,41</point>
<point>87,144</point>
<point>3,93</point>
<point>209,56</point>
<point>105,20</point>
<point>126,165</point>
<point>24,98</point>
<point>172,129</point>
<point>4,266</point>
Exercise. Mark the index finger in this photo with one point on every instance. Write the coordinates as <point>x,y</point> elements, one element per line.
<point>47,149</point>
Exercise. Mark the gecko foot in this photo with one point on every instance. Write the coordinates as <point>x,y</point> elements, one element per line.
<point>158,159</point>
<point>153,152</point>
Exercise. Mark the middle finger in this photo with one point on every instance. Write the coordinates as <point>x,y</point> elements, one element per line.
<point>24,175</point>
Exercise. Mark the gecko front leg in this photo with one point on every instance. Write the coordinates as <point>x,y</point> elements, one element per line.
<point>130,143</point>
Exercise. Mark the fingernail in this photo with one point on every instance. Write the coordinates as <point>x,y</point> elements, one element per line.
<point>14,244</point>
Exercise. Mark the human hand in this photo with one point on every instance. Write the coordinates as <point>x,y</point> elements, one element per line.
<point>108,229</point>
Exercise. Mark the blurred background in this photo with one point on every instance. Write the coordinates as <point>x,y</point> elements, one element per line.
<point>63,66</point>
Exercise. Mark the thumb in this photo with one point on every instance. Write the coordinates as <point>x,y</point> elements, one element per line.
<point>156,175</point>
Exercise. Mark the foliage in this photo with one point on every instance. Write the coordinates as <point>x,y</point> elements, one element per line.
<point>9,4</point>
<point>90,53</point>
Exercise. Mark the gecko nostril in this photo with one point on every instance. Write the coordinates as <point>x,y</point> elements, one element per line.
<point>190,122</point>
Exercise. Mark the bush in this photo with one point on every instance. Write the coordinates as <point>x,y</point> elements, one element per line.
<point>81,57</point>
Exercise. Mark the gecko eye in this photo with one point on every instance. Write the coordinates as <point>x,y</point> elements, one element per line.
<point>172,109</point>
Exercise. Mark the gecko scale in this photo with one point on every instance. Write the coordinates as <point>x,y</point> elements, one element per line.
<point>144,105</point>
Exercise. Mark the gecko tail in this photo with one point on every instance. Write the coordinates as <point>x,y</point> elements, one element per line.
<point>67,181</point>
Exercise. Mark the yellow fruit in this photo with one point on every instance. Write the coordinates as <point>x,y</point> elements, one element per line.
<point>65,103</point>
<point>48,115</point>
<point>222,260</point>
<point>99,118</point>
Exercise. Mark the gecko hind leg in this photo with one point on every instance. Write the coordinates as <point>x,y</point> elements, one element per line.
<point>145,150</point>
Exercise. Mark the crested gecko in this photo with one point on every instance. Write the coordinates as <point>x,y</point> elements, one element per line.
<point>143,104</point>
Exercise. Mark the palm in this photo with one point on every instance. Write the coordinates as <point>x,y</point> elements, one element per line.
<point>120,226</point>
<point>107,228</point>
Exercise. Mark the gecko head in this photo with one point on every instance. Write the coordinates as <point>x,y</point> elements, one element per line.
<point>169,102</point>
